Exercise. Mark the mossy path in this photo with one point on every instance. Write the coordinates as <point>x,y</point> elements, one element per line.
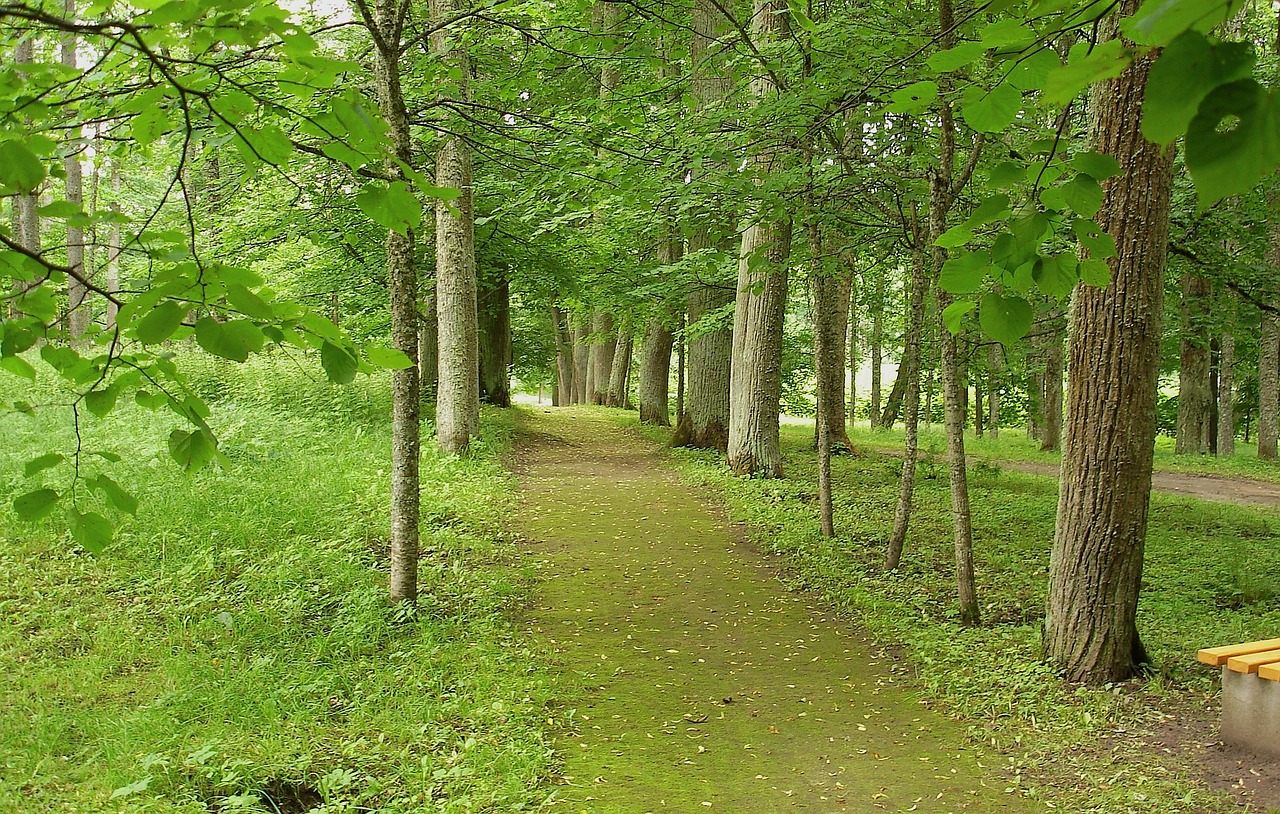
<point>705,684</point>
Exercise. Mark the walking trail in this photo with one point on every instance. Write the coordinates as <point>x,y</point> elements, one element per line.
<point>705,684</point>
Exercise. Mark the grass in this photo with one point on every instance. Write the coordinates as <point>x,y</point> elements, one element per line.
<point>1212,576</point>
<point>234,651</point>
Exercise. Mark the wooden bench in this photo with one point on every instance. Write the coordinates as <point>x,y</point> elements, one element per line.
<point>1250,694</point>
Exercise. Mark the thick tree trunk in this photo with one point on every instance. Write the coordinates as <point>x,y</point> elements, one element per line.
<point>830,316</point>
<point>563,394</point>
<point>653,392</point>
<point>618,394</point>
<point>705,424</point>
<point>1195,399</point>
<point>603,343</point>
<point>1268,384</point>
<point>493,308</point>
<point>581,360</point>
<point>1226,396</point>
<point>995,367</point>
<point>385,24</point>
<point>909,375</point>
<point>1095,570</point>
<point>1051,395</point>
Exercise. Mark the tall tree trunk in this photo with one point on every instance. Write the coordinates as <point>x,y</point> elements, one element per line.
<point>563,394</point>
<point>385,23</point>
<point>1095,571</point>
<point>680,371</point>
<point>1195,401</point>
<point>1226,396</point>
<point>995,367</point>
<point>619,372</point>
<point>603,343</point>
<point>1051,396</point>
<point>909,375</point>
<point>877,352</point>
<point>429,345</point>
<point>581,360</point>
<point>830,316</point>
<point>493,308</point>
<point>653,391</point>
<point>854,341</point>
<point>979,414</point>
<point>1269,378</point>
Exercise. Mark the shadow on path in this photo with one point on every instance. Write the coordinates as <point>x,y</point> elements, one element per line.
<point>706,685</point>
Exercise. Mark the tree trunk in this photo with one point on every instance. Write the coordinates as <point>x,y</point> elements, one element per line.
<point>603,343</point>
<point>877,353</point>
<point>115,246</point>
<point>830,316</point>
<point>979,415</point>
<point>429,345</point>
<point>853,343</point>
<point>653,391</point>
<point>620,372</point>
<point>1195,400</point>
<point>78,312</point>
<point>563,393</point>
<point>1269,382</point>
<point>909,375</point>
<point>1051,395</point>
<point>1226,396</point>
<point>493,309</point>
<point>385,24</point>
<point>1095,570</point>
<point>581,360</point>
<point>995,367</point>
<point>705,424</point>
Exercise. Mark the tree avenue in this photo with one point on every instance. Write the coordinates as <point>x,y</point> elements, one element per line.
<point>713,213</point>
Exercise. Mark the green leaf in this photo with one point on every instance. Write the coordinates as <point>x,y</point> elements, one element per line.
<point>991,112</point>
<point>953,315</point>
<point>234,339</point>
<point>1157,22</point>
<point>992,208</point>
<point>1187,71</point>
<point>954,237</point>
<point>20,169</point>
<point>388,358</point>
<point>1084,67</point>
<point>38,465</point>
<point>1005,319</point>
<point>34,505</point>
<point>1233,142</point>
<point>160,322</point>
<point>191,450</point>
<point>18,367</point>
<point>1097,166</point>
<point>1006,174</point>
<point>1095,272</point>
<point>114,494</point>
<point>1032,70</point>
<point>1100,244</point>
<point>338,362</point>
<point>913,98</point>
<point>392,206</point>
<point>801,19</point>
<point>101,402</point>
<point>964,273</point>
<point>958,57</point>
<point>1008,31</point>
<point>1056,275</point>
<point>132,788</point>
<point>248,303</point>
<point>60,209</point>
<point>1083,195</point>
<point>91,530</point>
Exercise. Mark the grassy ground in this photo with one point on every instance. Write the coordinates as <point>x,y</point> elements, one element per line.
<point>233,651</point>
<point>1013,445</point>
<point>1212,576</point>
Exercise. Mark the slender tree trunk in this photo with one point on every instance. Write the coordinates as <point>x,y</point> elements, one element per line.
<point>995,367</point>
<point>581,360</point>
<point>619,372</point>
<point>853,342</point>
<point>877,352</point>
<point>1195,401</point>
<point>830,316</point>
<point>979,415</point>
<point>680,372</point>
<point>115,247</point>
<point>493,308</point>
<point>1226,396</point>
<point>78,312</point>
<point>385,23</point>
<point>909,375</point>
<point>1051,396</point>
<point>564,357</point>
<point>1268,383</point>
<point>653,391</point>
<point>1095,571</point>
<point>429,345</point>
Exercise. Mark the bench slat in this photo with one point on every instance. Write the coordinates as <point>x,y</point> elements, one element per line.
<point>1218,656</point>
<point>1251,662</point>
<point>1271,672</point>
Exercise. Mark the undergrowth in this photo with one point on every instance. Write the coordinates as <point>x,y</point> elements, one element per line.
<point>1211,577</point>
<point>234,651</point>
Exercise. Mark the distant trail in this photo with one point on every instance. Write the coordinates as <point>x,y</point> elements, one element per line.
<point>706,685</point>
<point>1215,488</point>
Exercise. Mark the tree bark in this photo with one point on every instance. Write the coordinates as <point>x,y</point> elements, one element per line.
<point>877,353</point>
<point>1226,396</point>
<point>830,316</point>
<point>603,343</point>
<point>115,246</point>
<point>78,312</point>
<point>995,367</point>
<point>493,308</point>
<point>653,390</point>
<point>563,393</point>
<point>909,375</point>
<point>429,345</point>
<point>1051,395</point>
<point>1095,570</point>
<point>620,372</point>
<point>1195,399</point>
<point>1268,384</point>
<point>581,360</point>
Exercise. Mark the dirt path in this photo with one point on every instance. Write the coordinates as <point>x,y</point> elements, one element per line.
<point>706,685</point>
<point>1216,488</point>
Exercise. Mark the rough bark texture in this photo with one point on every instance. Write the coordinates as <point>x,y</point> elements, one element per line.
<point>618,394</point>
<point>1195,397</point>
<point>603,344</point>
<point>429,345</point>
<point>493,308</point>
<point>581,361</point>
<point>1095,570</point>
<point>909,375</point>
<point>1051,393</point>
<point>385,25</point>
<point>458,396</point>
<point>563,392</point>
<point>653,388</point>
<point>1268,385</point>
<point>830,316</point>
<point>755,386</point>
<point>1226,396</point>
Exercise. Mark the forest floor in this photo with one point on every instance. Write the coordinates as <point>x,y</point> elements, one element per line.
<point>1216,488</point>
<point>705,683</point>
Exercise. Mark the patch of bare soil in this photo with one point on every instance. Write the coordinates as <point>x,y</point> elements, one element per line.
<point>1188,735</point>
<point>1216,488</point>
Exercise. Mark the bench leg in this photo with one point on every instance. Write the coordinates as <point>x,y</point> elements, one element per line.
<point>1251,713</point>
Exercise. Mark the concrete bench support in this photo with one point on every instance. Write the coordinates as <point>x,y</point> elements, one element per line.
<point>1250,694</point>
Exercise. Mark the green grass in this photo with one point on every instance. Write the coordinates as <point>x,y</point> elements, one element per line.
<point>1212,576</point>
<point>234,651</point>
